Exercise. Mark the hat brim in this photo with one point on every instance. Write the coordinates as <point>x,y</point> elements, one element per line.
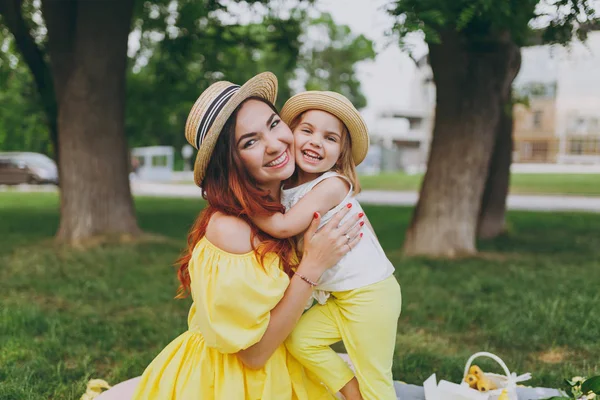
<point>324,101</point>
<point>264,86</point>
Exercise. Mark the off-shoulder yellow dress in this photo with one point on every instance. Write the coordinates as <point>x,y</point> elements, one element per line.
<point>233,295</point>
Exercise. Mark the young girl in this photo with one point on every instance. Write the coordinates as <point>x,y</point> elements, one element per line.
<point>359,299</point>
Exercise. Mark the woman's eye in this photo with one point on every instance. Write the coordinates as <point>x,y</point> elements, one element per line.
<point>249,143</point>
<point>306,131</point>
<point>275,123</point>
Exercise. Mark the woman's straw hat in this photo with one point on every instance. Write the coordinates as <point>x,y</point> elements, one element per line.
<point>212,109</point>
<point>337,105</point>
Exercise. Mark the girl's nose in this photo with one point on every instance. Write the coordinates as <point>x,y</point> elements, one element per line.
<point>316,143</point>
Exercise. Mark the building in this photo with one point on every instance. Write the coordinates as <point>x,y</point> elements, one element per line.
<point>556,114</point>
<point>561,123</point>
<point>405,134</point>
<point>153,163</point>
<point>534,124</point>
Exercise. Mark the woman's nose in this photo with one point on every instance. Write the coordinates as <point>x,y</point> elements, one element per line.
<point>274,145</point>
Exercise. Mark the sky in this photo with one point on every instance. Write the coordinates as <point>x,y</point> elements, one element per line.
<point>385,81</point>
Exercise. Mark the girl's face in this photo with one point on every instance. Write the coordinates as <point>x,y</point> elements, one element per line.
<point>264,143</point>
<point>318,141</point>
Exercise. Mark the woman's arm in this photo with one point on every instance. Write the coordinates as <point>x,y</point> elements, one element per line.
<point>322,250</point>
<point>322,198</point>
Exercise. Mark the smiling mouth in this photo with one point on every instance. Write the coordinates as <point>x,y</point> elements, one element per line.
<point>311,156</point>
<point>279,161</point>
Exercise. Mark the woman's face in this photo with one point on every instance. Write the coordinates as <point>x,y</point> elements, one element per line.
<point>264,143</point>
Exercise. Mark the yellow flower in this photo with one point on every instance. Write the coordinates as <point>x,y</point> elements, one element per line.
<point>94,388</point>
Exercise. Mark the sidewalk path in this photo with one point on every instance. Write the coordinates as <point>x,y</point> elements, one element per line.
<point>380,197</point>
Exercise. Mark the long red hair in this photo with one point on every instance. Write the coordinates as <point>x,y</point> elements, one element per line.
<point>229,189</point>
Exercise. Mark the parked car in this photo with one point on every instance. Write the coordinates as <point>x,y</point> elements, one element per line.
<point>32,168</point>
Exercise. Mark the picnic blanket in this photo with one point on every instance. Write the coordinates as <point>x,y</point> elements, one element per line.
<point>414,392</point>
<point>124,391</point>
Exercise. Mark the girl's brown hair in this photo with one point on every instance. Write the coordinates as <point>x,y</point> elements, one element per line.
<point>229,189</point>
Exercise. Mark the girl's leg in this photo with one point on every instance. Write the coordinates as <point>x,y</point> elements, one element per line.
<point>368,329</point>
<point>310,343</point>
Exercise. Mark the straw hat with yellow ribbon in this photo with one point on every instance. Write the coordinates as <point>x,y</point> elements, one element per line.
<point>337,105</point>
<point>212,109</point>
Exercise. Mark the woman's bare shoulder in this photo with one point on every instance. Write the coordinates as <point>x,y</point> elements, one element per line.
<point>229,233</point>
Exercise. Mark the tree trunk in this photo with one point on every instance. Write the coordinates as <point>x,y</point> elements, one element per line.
<point>33,57</point>
<point>470,79</point>
<point>88,45</point>
<point>492,216</point>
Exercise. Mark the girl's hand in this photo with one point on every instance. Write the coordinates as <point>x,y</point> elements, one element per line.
<point>325,248</point>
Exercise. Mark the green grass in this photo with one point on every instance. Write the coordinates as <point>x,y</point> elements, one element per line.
<point>568,184</point>
<point>67,315</point>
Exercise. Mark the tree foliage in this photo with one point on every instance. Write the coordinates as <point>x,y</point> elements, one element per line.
<point>183,47</point>
<point>185,62</point>
<point>480,20</point>
<point>331,64</point>
<point>23,124</point>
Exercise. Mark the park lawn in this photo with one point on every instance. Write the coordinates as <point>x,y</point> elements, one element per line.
<point>68,315</point>
<point>567,184</point>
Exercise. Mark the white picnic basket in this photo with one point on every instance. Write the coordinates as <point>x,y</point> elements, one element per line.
<point>445,390</point>
<point>507,381</point>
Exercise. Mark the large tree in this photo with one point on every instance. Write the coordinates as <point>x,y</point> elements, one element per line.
<point>81,80</point>
<point>474,50</point>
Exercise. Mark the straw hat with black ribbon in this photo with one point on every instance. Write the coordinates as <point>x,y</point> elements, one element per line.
<point>212,109</point>
<point>337,105</point>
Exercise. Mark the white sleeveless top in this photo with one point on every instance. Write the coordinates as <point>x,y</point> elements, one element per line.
<point>364,265</point>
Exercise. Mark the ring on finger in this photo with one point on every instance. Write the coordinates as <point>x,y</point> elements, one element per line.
<point>347,238</point>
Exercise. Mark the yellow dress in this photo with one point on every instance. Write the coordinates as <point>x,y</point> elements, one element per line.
<point>232,298</point>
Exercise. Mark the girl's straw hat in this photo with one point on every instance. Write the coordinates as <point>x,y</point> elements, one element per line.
<point>337,105</point>
<point>212,109</point>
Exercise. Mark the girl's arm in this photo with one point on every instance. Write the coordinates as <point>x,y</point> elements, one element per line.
<point>322,198</point>
<point>322,250</point>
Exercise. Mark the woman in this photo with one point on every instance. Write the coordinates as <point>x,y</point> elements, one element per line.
<point>247,293</point>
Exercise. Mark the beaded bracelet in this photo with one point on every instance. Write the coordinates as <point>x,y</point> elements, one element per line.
<point>305,279</point>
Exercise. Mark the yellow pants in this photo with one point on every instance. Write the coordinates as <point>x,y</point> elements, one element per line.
<point>366,320</point>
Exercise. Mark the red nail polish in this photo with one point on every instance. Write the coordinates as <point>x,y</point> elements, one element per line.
<point>316,215</point>
<point>362,223</point>
<point>349,205</point>
<point>360,215</point>
<point>361,234</point>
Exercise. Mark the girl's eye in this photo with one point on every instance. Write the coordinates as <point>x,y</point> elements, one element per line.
<point>249,143</point>
<point>275,123</point>
<point>331,138</point>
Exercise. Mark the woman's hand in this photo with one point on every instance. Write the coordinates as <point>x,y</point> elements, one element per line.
<point>325,248</point>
